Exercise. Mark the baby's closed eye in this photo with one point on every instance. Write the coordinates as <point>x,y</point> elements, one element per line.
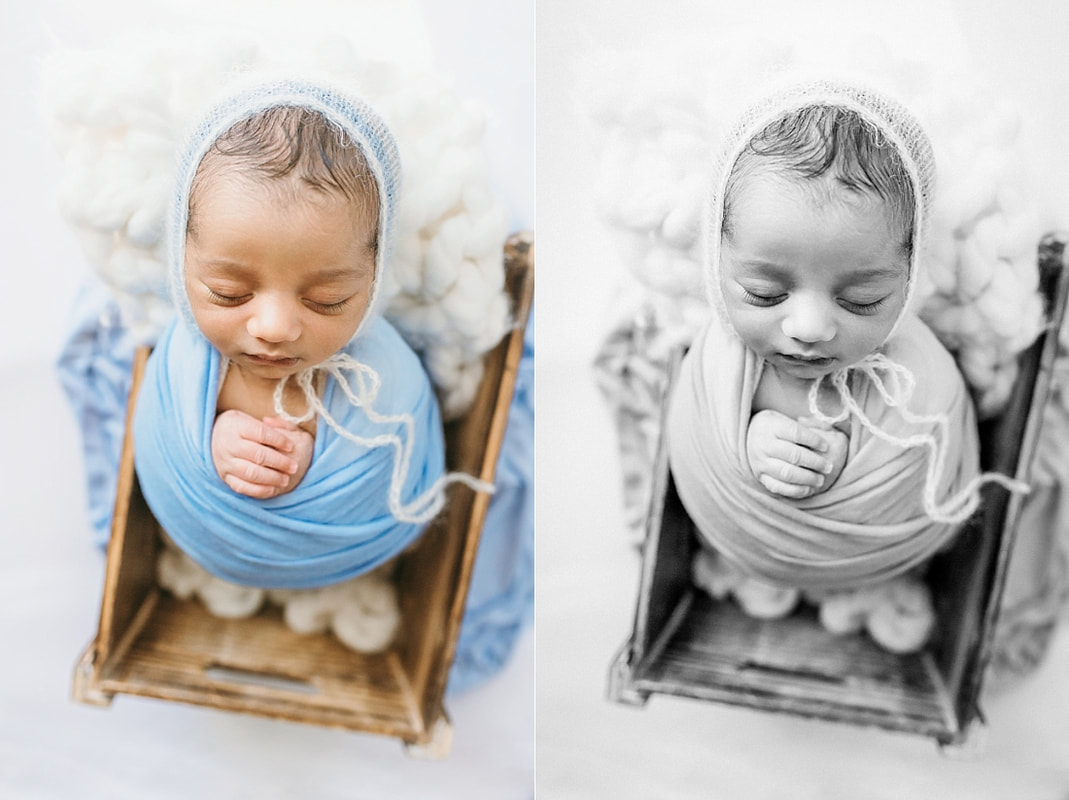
<point>863,305</point>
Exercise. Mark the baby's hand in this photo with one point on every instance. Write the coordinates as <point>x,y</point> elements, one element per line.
<point>788,457</point>
<point>838,443</point>
<point>254,458</point>
<point>303,444</point>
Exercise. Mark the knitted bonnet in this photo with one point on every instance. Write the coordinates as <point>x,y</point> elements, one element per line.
<point>896,125</point>
<point>351,116</point>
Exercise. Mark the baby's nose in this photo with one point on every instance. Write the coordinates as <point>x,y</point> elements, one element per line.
<point>808,320</point>
<point>273,321</point>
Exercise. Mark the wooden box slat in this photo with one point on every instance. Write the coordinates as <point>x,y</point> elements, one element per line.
<point>176,650</point>
<point>794,665</point>
<point>151,644</point>
<point>686,644</point>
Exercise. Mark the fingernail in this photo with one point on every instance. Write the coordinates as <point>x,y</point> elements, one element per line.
<point>826,469</point>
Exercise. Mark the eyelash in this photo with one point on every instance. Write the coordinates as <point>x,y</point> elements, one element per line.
<point>226,300</point>
<point>862,309</point>
<point>328,308</point>
<point>762,300</point>
<point>319,308</point>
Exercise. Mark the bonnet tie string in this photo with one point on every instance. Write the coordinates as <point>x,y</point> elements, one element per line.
<point>896,393</point>
<point>420,509</point>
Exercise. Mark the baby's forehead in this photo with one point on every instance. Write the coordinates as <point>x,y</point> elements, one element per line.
<point>229,187</point>
<point>769,188</point>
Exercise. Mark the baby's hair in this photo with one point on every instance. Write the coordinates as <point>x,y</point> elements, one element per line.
<point>285,141</point>
<point>819,140</point>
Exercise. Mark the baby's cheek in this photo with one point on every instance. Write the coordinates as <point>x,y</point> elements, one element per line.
<point>754,331</point>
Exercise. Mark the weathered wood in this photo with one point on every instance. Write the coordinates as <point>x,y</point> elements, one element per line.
<point>684,643</point>
<point>151,644</point>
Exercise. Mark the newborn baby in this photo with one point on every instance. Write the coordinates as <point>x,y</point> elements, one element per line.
<point>286,437</point>
<point>820,436</point>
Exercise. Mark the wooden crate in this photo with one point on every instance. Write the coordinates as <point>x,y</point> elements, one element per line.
<point>686,644</point>
<point>151,644</point>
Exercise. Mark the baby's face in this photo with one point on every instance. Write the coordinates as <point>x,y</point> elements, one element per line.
<point>277,281</point>
<point>813,277</point>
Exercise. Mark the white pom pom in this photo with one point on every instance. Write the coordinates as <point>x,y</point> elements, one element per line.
<point>229,600</point>
<point>369,616</point>
<point>846,612</point>
<point>1001,303</point>
<point>710,573</point>
<point>486,236</point>
<point>764,601</point>
<point>903,619</point>
<point>311,610</point>
<point>975,268</point>
<point>444,254</point>
<point>994,397</point>
<point>462,390</point>
<point>179,574</point>
<point>466,302</point>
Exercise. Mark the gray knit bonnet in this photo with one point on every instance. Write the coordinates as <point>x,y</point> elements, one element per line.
<point>358,121</point>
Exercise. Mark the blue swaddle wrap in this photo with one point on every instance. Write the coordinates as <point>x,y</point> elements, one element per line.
<point>336,523</point>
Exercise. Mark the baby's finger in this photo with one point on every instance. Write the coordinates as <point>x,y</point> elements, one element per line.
<point>785,489</point>
<point>797,456</point>
<point>797,432</point>
<point>794,475</point>
<point>256,430</point>
<point>250,471</point>
<point>249,489</point>
<point>264,456</point>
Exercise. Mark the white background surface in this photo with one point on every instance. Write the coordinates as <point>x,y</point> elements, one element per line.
<point>50,576</point>
<point>588,574</point>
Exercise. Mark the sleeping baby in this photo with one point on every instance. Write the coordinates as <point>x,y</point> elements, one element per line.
<point>820,437</point>
<point>286,437</point>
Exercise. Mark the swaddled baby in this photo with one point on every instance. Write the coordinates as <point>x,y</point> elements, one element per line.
<point>819,435</point>
<point>286,437</point>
